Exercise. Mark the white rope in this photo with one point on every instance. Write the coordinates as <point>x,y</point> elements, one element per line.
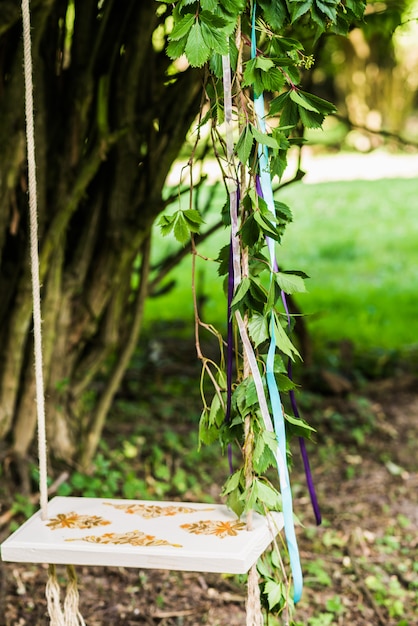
<point>33,215</point>
<point>72,615</point>
<point>53,600</point>
<point>231,182</point>
<point>254,614</point>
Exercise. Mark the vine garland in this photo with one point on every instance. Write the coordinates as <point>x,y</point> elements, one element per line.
<point>255,53</point>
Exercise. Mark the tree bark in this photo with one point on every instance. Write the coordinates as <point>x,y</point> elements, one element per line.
<point>108,126</point>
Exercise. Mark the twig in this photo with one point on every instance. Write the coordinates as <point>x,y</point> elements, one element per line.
<point>34,499</point>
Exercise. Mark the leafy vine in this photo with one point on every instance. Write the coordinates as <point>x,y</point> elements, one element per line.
<point>255,54</point>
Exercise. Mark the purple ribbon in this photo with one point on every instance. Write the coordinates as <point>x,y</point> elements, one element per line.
<point>302,445</point>
<point>229,351</point>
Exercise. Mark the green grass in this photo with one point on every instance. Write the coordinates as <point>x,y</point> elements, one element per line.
<point>357,241</point>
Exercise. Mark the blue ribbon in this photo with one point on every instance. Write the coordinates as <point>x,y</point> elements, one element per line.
<point>285,490</point>
<point>278,417</point>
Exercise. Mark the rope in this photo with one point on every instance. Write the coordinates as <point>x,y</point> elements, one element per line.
<point>254,614</point>
<point>34,256</point>
<point>253,605</point>
<point>71,615</point>
<point>52,593</point>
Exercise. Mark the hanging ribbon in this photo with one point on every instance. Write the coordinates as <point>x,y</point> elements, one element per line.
<point>264,189</point>
<point>302,445</point>
<point>278,417</point>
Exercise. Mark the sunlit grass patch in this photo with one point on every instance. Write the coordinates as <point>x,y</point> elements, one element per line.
<point>357,240</point>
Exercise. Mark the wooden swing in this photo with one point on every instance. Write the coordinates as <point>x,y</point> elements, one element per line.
<point>128,533</point>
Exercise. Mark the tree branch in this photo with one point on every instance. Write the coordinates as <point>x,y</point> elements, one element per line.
<point>383,133</point>
<point>113,383</point>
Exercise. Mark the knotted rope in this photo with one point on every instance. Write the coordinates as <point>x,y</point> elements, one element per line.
<point>70,616</point>
<point>34,256</point>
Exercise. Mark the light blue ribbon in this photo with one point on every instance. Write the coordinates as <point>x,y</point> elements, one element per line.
<point>285,490</point>
<point>278,417</point>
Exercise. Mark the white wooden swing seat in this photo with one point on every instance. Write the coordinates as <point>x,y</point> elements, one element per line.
<point>143,534</point>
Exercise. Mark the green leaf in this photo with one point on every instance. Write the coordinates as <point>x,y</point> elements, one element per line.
<point>244,144</point>
<point>263,138</point>
<point>267,495</point>
<point>245,396</point>
<point>223,260</point>
<point>250,232</point>
<point>216,22</point>
<point>319,104</point>
<point>356,7</point>
<point>267,227</point>
<point>328,8</point>
<point>297,97</point>
<point>289,116</point>
<point>241,292</point>
<point>207,434</point>
<point>166,224</point>
<point>232,483</point>
<point>193,219</point>
<point>235,503</point>
<point>278,163</point>
<point>298,8</point>
<point>290,283</point>
<point>275,593</point>
<point>215,39</point>
<point>209,5</point>
<point>184,3</point>
<point>182,27</point>
<point>277,104</point>
<point>263,63</point>
<point>216,413</point>
<point>283,342</point>
<point>273,80</point>
<point>196,50</point>
<point>249,75</point>
<point>284,383</point>
<point>258,329</point>
<point>264,451</point>
<point>310,119</point>
<point>180,228</point>
<point>300,427</point>
<point>256,290</point>
<point>234,7</point>
<point>249,497</point>
<point>275,13</point>
<point>283,212</point>
<point>176,48</point>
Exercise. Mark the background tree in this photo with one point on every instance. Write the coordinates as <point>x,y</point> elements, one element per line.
<point>112,112</point>
<point>109,123</point>
<point>372,74</point>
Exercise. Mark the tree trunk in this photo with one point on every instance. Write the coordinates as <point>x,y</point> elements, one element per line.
<point>108,126</point>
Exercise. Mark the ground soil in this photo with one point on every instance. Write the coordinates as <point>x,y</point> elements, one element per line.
<point>367,483</point>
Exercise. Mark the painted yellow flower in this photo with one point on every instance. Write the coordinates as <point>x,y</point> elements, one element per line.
<point>74,520</point>
<point>212,527</point>
<point>150,511</point>
<point>133,538</point>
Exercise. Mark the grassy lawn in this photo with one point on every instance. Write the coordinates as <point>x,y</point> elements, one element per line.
<point>357,241</point>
